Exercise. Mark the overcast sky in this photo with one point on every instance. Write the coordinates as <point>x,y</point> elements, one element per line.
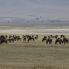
<point>49,9</point>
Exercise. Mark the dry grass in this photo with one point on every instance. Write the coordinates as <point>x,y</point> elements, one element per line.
<point>34,55</point>
<point>17,56</point>
<point>5,66</point>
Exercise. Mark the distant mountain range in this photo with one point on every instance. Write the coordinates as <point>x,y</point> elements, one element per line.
<point>35,21</point>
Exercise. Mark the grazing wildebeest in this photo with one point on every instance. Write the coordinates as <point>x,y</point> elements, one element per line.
<point>65,40</point>
<point>11,40</point>
<point>29,38</point>
<point>62,36</point>
<point>3,39</point>
<point>17,38</point>
<point>24,37</point>
<point>58,40</point>
<point>44,38</point>
<point>49,40</point>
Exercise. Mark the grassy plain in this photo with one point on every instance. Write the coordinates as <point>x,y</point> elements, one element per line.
<point>33,55</point>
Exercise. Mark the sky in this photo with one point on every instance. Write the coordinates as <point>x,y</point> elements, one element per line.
<point>47,9</point>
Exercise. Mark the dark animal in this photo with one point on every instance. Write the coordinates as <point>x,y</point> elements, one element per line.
<point>3,39</point>
<point>44,38</point>
<point>49,40</point>
<point>58,40</point>
<point>29,38</point>
<point>24,38</point>
<point>65,40</point>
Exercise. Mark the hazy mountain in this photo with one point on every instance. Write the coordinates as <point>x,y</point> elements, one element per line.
<point>32,21</point>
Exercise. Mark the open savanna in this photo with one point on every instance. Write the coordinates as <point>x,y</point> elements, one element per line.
<point>34,55</point>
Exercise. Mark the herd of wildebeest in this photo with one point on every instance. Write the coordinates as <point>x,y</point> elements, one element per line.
<point>48,39</point>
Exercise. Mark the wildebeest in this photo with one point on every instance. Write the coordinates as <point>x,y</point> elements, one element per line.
<point>49,40</point>
<point>30,38</point>
<point>3,39</point>
<point>58,40</point>
<point>44,38</point>
<point>24,38</point>
<point>65,40</point>
<point>62,36</point>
